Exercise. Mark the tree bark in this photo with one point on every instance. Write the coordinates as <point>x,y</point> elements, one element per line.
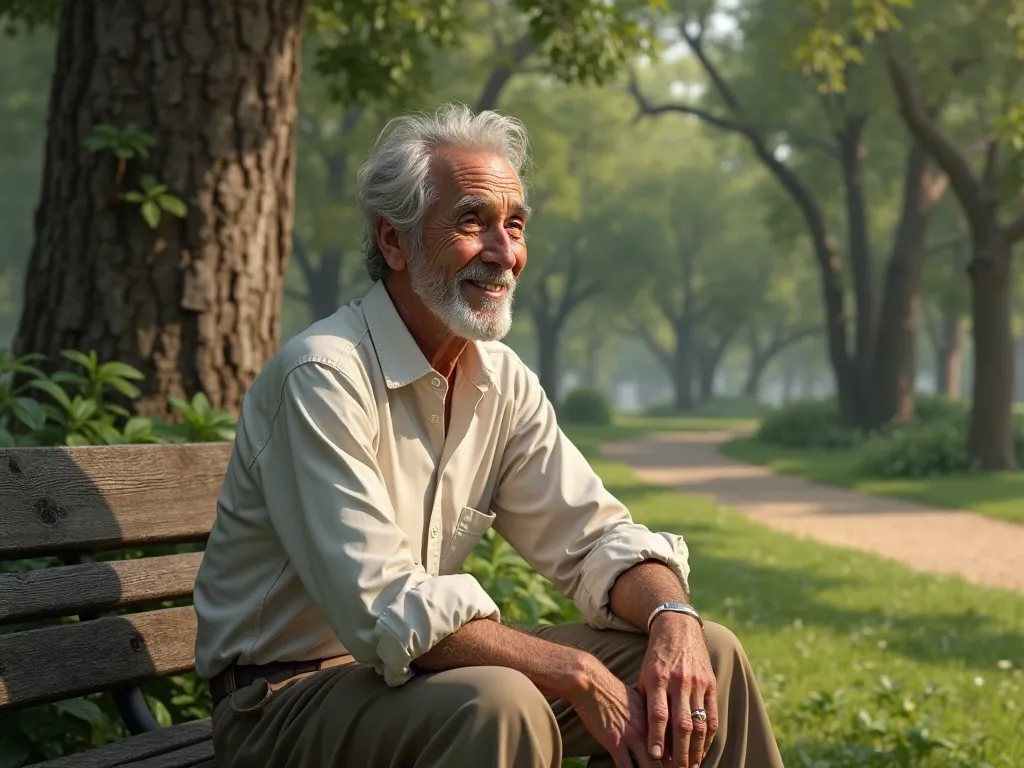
<point>548,334</point>
<point>503,72</point>
<point>990,435</point>
<point>851,159</point>
<point>949,345</point>
<point>895,366</point>
<point>196,303</point>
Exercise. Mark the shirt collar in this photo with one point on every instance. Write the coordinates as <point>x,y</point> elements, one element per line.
<point>401,360</point>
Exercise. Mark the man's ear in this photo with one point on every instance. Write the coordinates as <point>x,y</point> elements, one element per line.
<point>391,243</point>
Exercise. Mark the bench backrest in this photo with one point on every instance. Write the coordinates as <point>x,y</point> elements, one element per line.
<point>75,503</point>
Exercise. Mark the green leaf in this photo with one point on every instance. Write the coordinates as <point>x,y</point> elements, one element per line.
<point>86,361</point>
<point>124,153</point>
<point>14,753</point>
<point>82,409</point>
<point>134,197</point>
<point>67,377</point>
<point>53,390</point>
<point>117,410</point>
<point>150,213</point>
<point>159,710</point>
<point>138,429</point>
<point>201,403</point>
<point>104,433</point>
<point>6,441</point>
<point>76,440</point>
<point>148,181</point>
<point>82,709</point>
<point>179,404</point>
<point>125,371</point>
<point>173,205</point>
<point>29,412</point>
<point>126,388</point>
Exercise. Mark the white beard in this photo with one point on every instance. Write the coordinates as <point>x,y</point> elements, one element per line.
<point>443,296</point>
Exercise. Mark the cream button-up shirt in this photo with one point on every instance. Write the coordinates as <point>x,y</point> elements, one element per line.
<point>348,509</point>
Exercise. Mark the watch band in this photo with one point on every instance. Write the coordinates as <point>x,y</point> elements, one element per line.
<point>689,610</point>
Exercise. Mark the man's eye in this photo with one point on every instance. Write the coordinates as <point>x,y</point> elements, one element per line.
<point>469,221</point>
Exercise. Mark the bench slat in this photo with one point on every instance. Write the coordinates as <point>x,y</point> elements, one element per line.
<point>60,662</point>
<point>147,746</point>
<point>107,497</point>
<point>96,587</point>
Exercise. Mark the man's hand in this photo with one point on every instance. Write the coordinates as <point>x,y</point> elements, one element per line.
<point>615,715</point>
<point>677,679</point>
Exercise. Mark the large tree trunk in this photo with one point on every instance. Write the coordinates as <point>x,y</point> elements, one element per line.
<point>948,355</point>
<point>195,303</point>
<point>1018,379</point>
<point>547,334</point>
<point>682,371</point>
<point>990,436</point>
<point>895,367</point>
<point>851,157</point>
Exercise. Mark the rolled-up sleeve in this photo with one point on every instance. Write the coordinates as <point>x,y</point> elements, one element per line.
<point>332,513</point>
<point>554,509</point>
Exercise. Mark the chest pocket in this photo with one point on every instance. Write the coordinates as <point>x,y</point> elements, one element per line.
<point>471,526</point>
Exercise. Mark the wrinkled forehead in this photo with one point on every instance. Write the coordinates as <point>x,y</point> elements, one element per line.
<point>467,179</point>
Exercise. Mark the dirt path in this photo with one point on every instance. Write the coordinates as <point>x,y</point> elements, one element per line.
<point>981,550</point>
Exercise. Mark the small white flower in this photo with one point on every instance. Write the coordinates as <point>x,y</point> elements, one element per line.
<point>979,681</point>
<point>1004,664</point>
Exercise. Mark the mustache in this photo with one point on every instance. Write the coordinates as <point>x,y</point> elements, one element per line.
<point>479,271</point>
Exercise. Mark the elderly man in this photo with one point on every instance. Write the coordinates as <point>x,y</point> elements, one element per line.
<point>372,452</point>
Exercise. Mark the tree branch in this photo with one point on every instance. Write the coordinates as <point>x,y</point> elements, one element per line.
<point>1014,231</point>
<point>945,153</point>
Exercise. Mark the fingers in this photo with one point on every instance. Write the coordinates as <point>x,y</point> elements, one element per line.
<point>711,705</point>
<point>700,729</point>
<point>657,719</point>
<point>682,726</point>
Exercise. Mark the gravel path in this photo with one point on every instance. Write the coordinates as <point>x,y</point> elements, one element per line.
<point>982,550</point>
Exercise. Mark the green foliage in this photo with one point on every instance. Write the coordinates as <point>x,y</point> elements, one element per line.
<point>807,424</point>
<point>891,728</point>
<point>130,143</point>
<point>154,199</point>
<point>918,449</point>
<point>79,406</point>
<point>934,444</point>
<point>586,406</point>
<point>524,597</point>
<point>125,143</point>
<point>721,407</point>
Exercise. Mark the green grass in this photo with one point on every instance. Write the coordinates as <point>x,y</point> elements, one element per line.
<point>852,652</point>
<point>996,495</point>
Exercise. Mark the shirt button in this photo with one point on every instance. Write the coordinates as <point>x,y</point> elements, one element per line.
<point>433,531</point>
<point>435,381</point>
<point>434,419</point>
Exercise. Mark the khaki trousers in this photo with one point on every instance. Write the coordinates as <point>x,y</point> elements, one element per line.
<point>344,716</point>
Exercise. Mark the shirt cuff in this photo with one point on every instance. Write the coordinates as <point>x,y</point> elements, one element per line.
<point>619,551</point>
<point>425,615</point>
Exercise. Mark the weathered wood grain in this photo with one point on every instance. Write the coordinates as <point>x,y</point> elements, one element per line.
<point>60,662</point>
<point>96,587</point>
<point>106,497</point>
<point>148,746</point>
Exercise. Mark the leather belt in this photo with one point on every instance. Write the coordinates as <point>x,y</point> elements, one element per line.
<point>240,675</point>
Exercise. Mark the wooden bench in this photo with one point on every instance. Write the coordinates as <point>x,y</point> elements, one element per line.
<point>72,504</point>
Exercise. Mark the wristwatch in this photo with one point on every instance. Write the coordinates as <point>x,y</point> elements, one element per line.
<point>689,610</point>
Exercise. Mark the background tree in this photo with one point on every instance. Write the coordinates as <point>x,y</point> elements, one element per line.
<point>165,244</point>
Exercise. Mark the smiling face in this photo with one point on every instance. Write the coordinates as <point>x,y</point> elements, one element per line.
<point>466,264</point>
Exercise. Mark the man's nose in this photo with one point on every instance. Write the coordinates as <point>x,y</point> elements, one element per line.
<point>499,250</point>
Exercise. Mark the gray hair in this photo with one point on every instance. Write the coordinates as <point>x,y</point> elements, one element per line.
<point>395,181</point>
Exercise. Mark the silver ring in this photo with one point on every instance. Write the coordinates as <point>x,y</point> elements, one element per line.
<point>700,715</point>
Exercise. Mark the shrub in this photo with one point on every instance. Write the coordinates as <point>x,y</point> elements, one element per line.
<point>933,408</point>
<point>77,407</point>
<point>807,424</point>
<point>917,449</point>
<point>586,406</point>
<point>738,407</point>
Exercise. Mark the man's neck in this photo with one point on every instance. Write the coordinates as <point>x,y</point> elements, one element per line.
<point>439,345</point>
